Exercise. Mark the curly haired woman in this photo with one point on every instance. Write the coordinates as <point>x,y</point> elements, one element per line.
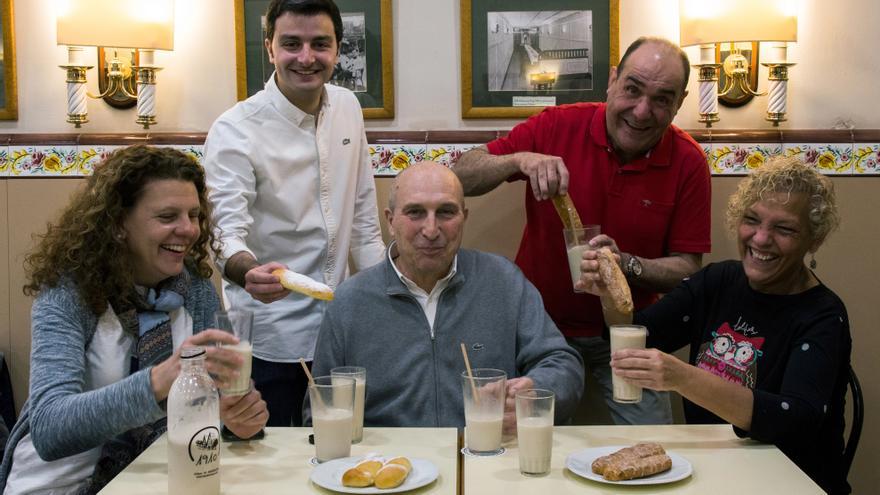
<point>769,342</point>
<point>121,284</point>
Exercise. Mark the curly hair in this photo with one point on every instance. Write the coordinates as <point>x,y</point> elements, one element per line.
<point>788,175</point>
<point>86,243</point>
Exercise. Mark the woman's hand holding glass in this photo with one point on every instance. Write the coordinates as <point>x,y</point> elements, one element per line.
<point>222,364</point>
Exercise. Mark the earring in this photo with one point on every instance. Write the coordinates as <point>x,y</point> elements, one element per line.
<point>813,263</point>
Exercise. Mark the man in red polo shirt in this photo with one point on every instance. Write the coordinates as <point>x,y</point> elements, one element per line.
<point>628,169</point>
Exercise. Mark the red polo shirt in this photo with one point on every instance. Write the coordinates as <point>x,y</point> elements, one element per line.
<point>653,206</point>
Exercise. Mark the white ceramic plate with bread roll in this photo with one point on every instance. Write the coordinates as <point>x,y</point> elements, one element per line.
<point>581,462</point>
<point>329,475</point>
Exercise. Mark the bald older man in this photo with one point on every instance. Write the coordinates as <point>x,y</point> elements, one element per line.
<point>404,319</point>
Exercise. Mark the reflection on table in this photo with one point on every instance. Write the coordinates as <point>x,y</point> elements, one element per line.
<point>279,464</point>
<point>722,463</point>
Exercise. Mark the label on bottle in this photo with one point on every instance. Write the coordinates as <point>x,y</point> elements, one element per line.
<point>204,452</point>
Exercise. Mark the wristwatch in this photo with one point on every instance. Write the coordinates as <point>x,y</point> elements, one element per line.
<point>633,267</point>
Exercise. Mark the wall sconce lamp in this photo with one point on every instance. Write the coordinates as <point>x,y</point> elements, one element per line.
<point>707,22</point>
<point>126,24</point>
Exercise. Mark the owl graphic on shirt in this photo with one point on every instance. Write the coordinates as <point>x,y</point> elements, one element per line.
<point>731,355</point>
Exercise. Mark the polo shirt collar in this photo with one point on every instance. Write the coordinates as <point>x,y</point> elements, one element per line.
<point>398,283</point>
<point>287,109</point>
<point>658,156</point>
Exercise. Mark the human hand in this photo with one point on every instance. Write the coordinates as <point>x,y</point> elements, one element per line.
<point>547,174</point>
<point>650,368</point>
<point>222,364</point>
<point>262,285</point>
<point>514,385</point>
<point>245,415</point>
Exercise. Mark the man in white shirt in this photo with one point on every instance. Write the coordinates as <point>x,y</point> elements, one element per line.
<point>292,187</point>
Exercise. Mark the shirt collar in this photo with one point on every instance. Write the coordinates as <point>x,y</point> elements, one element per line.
<point>288,109</point>
<point>658,156</point>
<point>412,285</point>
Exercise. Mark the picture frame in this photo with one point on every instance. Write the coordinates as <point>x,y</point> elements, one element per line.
<point>8,79</point>
<point>366,60</point>
<point>517,59</point>
<point>736,97</point>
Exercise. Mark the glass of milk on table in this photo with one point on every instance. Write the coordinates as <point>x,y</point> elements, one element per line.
<point>626,337</point>
<point>484,394</point>
<point>534,430</point>
<point>332,402</point>
<point>360,391</point>
<point>576,242</point>
<point>238,322</point>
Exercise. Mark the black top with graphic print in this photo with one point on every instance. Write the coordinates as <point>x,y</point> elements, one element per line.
<point>793,351</point>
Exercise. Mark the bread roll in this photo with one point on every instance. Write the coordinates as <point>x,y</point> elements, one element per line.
<point>298,282</point>
<point>614,279</point>
<point>371,466</point>
<point>390,476</point>
<point>567,212</point>
<point>403,461</point>
<point>357,478</point>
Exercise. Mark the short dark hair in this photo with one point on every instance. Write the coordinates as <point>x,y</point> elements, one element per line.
<point>685,63</point>
<point>303,7</point>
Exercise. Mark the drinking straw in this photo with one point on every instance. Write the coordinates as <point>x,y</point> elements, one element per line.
<point>302,362</point>
<point>467,365</point>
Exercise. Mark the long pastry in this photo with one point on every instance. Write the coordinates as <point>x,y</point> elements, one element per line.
<point>615,280</point>
<point>637,451</point>
<point>631,468</point>
<point>298,282</point>
<point>567,212</point>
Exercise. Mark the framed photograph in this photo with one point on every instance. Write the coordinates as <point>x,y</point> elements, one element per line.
<point>365,66</point>
<point>736,97</point>
<point>519,56</point>
<point>8,85</point>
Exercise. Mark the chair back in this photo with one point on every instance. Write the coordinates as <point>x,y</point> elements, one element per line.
<point>855,428</point>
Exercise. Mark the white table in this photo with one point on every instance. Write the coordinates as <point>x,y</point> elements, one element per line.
<point>722,463</point>
<point>279,464</point>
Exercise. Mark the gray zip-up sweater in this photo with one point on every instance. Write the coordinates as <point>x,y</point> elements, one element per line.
<point>61,417</point>
<point>414,380</point>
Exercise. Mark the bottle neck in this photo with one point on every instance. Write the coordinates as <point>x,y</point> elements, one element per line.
<point>192,364</point>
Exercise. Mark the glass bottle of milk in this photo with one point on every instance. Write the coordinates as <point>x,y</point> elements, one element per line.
<point>193,428</point>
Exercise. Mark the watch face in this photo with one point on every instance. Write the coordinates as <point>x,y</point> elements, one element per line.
<point>635,266</point>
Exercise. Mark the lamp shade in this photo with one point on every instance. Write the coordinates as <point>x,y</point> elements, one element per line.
<point>147,24</point>
<point>719,21</point>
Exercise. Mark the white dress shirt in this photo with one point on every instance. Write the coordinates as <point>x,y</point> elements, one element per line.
<point>299,190</point>
<point>427,301</point>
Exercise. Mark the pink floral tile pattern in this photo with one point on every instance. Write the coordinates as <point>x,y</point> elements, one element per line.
<point>448,154</point>
<point>866,159</point>
<point>389,160</point>
<point>829,159</point>
<point>89,156</point>
<point>738,159</point>
<point>42,161</point>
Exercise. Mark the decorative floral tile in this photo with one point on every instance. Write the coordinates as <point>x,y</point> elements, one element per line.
<point>42,160</point>
<point>389,160</point>
<point>707,150</point>
<point>829,159</point>
<point>737,159</point>
<point>89,156</point>
<point>4,161</point>
<point>866,159</point>
<point>448,154</point>
<point>196,151</point>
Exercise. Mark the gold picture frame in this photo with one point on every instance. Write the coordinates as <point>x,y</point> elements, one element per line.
<point>9,85</point>
<point>377,96</point>
<point>481,94</point>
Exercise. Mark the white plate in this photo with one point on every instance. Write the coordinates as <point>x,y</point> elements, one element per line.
<point>581,462</point>
<point>329,475</point>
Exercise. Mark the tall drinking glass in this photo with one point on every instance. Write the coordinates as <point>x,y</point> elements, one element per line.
<point>576,242</point>
<point>360,391</point>
<point>332,401</point>
<point>484,395</point>
<point>534,430</point>
<point>626,337</point>
<point>238,322</point>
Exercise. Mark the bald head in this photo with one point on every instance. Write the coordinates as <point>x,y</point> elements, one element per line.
<point>430,171</point>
